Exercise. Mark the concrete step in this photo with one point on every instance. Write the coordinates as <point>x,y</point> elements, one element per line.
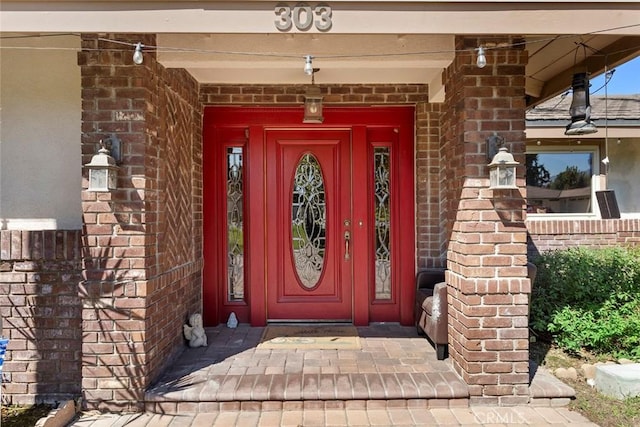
<point>618,381</point>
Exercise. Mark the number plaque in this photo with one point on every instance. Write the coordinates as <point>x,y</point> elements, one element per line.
<point>303,17</point>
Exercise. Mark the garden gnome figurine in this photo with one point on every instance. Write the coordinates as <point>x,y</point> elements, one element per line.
<point>195,333</point>
<point>233,320</point>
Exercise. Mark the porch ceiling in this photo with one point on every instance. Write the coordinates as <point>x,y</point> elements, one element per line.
<point>553,60</point>
<point>380,58</point>
<point>279,58</point>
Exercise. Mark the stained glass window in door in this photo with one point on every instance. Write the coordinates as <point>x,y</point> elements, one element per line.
<point>382,212</point>
<point>308,221</point>
<point>235,225</point>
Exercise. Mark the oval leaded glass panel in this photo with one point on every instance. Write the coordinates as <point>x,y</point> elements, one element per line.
<point>308,221</point>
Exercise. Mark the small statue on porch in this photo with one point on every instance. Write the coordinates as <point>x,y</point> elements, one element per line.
<point>194,333</point>
<point>233,321</point>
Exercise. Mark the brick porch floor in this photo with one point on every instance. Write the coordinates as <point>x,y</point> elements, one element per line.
<point>395,368</point>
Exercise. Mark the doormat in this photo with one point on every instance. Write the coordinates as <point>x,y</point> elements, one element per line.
<point>312,337</point>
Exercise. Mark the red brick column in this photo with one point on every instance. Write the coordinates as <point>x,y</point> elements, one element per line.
<point>142,256</point>
<point>487,253</point>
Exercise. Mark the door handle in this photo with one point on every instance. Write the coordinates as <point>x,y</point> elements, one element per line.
<point>347,242</point>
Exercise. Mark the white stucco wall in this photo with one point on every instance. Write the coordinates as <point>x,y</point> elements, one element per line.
<point>40,126</point>
<point>624,174</point>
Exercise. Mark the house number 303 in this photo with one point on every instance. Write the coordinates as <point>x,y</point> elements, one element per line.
<point>303,16</point>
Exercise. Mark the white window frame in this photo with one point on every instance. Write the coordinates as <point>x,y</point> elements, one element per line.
<point>596,183</point>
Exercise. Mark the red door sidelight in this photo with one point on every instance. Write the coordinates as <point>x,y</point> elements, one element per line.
<point>309,222</point>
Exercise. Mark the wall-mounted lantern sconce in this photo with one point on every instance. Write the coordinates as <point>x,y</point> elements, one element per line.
<point>580,109</point>
<point>103,169</point>
<point>502,171</point>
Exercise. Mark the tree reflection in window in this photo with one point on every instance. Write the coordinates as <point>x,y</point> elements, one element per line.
<point>559,181</point>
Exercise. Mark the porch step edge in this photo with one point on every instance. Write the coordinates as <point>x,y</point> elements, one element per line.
<point>315,387</point>
<point>547,390</point>
<point>184,407</point>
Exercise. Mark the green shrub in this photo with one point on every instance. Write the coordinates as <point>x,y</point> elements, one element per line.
<point>589,298</point>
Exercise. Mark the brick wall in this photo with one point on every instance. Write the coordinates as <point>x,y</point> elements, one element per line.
<point>486,258</point>
<point>178,282</point>
<point>546,235</point>
<point>41,313</point>
<point>143,241</point>
<point>431,243</point>
<point>430,221</point>
<point>294,94</point>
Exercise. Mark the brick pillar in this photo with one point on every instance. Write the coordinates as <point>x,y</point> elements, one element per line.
<point>142,256</point>
<point>487,253</point>
<point>115,97</point>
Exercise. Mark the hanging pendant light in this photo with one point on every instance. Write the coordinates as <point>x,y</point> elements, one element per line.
<point>313,105</point>
<point>580,109</point>
<point>312,97</point>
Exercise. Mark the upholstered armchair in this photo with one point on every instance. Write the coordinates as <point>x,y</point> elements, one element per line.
<point>432,310</point>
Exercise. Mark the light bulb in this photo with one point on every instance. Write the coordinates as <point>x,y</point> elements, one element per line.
<point>605,161</point>
<point>481,62</point>
<point>137,54</point>
<point>308,66</point>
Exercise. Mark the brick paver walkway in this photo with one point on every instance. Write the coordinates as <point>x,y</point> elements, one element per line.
<point>473,416</point>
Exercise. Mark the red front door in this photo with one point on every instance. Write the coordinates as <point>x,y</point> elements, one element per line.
<point>308,221</point>
<point>308,228</point>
